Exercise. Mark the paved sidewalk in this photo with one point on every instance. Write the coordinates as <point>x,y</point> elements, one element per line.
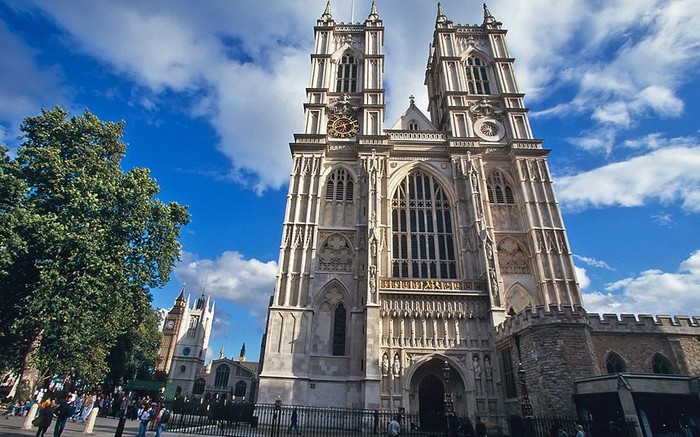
<point>104,427</point>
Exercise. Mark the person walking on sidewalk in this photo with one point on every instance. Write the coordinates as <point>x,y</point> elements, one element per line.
<point>43,420</point>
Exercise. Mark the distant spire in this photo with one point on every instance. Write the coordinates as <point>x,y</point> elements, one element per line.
<point>441,17</point>
<point>327,16</point>
<point>373,15</point>
<point>221,353</point>
<point>242,356</point>
<point>181,298</point>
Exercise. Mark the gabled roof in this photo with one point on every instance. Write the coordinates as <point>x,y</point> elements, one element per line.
<point>413,114</point>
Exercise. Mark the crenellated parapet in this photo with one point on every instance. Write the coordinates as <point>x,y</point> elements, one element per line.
<point>540,316</point>
<point>611,323</point>
<point>644,323</point>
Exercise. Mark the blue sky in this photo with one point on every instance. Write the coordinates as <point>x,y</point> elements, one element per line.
<point>212,93</point>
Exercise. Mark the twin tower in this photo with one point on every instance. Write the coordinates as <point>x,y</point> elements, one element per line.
<point>404,247</point>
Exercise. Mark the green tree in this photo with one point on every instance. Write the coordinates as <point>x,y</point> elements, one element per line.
<point>81,244</point>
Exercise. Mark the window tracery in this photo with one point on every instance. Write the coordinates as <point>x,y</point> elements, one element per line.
<point>347,74</point>
<point>222,374</point>
<point>661,365</point>
<point>335,254</point>
<point>423,240</point>
<point>477,76</point>
<point>615,364</point>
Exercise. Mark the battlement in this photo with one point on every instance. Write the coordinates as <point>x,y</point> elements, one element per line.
<point>613,323</point>
<point>542,315</point>
<point>644,323</point>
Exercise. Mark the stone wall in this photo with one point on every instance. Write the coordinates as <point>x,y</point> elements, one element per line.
<point>559,344</point>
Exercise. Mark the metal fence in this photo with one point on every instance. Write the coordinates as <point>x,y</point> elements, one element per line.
<point>199,417</point>
<point>547,426</point>
<point>243,420</point>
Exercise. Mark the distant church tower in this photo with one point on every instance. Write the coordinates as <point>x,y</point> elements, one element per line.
<point>403,247</point>
<point>186,333</point>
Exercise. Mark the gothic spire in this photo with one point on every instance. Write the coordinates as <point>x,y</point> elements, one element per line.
<point>488,18</point>
<point>441,17</point>
<point>242,356</point>
<point>373,15</point>
<point>181,298</point>
<point>327,16</point>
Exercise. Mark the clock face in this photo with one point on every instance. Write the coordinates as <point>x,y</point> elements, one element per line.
<point>489,129</point>
<point>186,351</point>
<point>342,126</point>
<point>170,324</point>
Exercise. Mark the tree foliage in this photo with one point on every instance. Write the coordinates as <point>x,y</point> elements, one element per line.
<point>81,243</point>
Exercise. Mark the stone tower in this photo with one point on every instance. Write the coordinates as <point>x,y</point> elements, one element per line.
<point>403,247</point>
<point>186,333</point>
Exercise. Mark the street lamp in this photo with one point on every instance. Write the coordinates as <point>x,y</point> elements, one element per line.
<point>449,406</point>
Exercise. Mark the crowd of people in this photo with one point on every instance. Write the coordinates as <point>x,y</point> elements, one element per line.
<point>78,406</point>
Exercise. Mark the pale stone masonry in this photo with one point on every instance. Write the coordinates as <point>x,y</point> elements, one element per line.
<point>415,258</point>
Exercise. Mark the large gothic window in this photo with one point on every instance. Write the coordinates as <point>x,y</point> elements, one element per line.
<point>477,77</point>
<point>499,190</point>
<point>339,331</point>
<point>423,242</point>
<point>339,186</point>
<point>347,75</point>
<point>198,388</point>
<point>222,373</point>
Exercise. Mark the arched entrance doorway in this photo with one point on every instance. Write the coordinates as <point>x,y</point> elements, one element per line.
<point>431,397</point>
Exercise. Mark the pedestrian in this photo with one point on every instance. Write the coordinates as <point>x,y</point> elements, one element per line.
<point>144,418</point>
<point>376,421</point>
<point>294,425</point>
<point>479,427</point>
<point>579,431</point>
<point>163,419</point>
<point>394,429</point>
<point>63,412</point>
<point>43,420</point>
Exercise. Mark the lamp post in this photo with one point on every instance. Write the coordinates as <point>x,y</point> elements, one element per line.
<point>449,406</point>
<point>525,405</point>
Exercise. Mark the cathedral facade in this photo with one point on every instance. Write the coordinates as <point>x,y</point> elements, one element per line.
<point>419,262</point>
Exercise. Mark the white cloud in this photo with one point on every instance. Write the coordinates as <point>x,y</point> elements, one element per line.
<point>593,262</point>
<point>246,283</point>
<point>243,63</point>
<point>24,87</point>
<point>582,277</point>
<point>679,291</point>
<point>666,175</point>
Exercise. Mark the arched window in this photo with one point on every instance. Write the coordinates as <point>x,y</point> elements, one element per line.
<point>499,190</point>
<point>615,364</point>
<point>339,330</point>
<point>339,186</point>
<point>412,125</point>
<point>347,75</point>
<point>221,379</point>
<point>198,388</point>
<point>422,236</point>
<point>477,77</point>
<point>661,365</point>
<point>241,388</point>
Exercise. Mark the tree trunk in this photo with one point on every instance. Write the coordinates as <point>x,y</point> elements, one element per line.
<point>29,374</point>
